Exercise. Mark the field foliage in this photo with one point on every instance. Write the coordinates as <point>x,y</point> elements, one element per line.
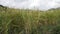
<point>20,21</point>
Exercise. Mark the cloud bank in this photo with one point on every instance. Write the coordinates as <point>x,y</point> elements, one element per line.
<point>31,4</point>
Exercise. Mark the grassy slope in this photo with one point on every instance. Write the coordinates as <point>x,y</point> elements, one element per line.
<point>15,21</point>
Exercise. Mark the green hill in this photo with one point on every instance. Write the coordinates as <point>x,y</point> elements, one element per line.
<point>20,21</point>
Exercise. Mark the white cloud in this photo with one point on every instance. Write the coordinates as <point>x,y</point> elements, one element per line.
<point>41,4</point>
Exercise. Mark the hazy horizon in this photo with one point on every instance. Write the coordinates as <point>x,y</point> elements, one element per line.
<point>38,4</point>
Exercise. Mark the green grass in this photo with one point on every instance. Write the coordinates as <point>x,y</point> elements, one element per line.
<point>15,21</point>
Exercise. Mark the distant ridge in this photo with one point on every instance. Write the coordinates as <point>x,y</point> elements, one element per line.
<point>3,8</point>
<point>54,9</point>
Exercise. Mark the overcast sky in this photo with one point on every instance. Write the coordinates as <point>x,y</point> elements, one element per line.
<point>39,4</point>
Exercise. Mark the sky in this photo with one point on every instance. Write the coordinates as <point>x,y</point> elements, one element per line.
<point>31,4</point>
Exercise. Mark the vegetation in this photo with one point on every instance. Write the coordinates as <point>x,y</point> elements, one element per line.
<point>15,21</point>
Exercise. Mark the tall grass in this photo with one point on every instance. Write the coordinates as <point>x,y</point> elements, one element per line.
<point>14,21</point>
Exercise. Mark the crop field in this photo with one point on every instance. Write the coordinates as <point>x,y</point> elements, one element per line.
<point>20,21</point>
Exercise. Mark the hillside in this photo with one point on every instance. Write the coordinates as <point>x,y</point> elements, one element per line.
<point>20,21</point>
